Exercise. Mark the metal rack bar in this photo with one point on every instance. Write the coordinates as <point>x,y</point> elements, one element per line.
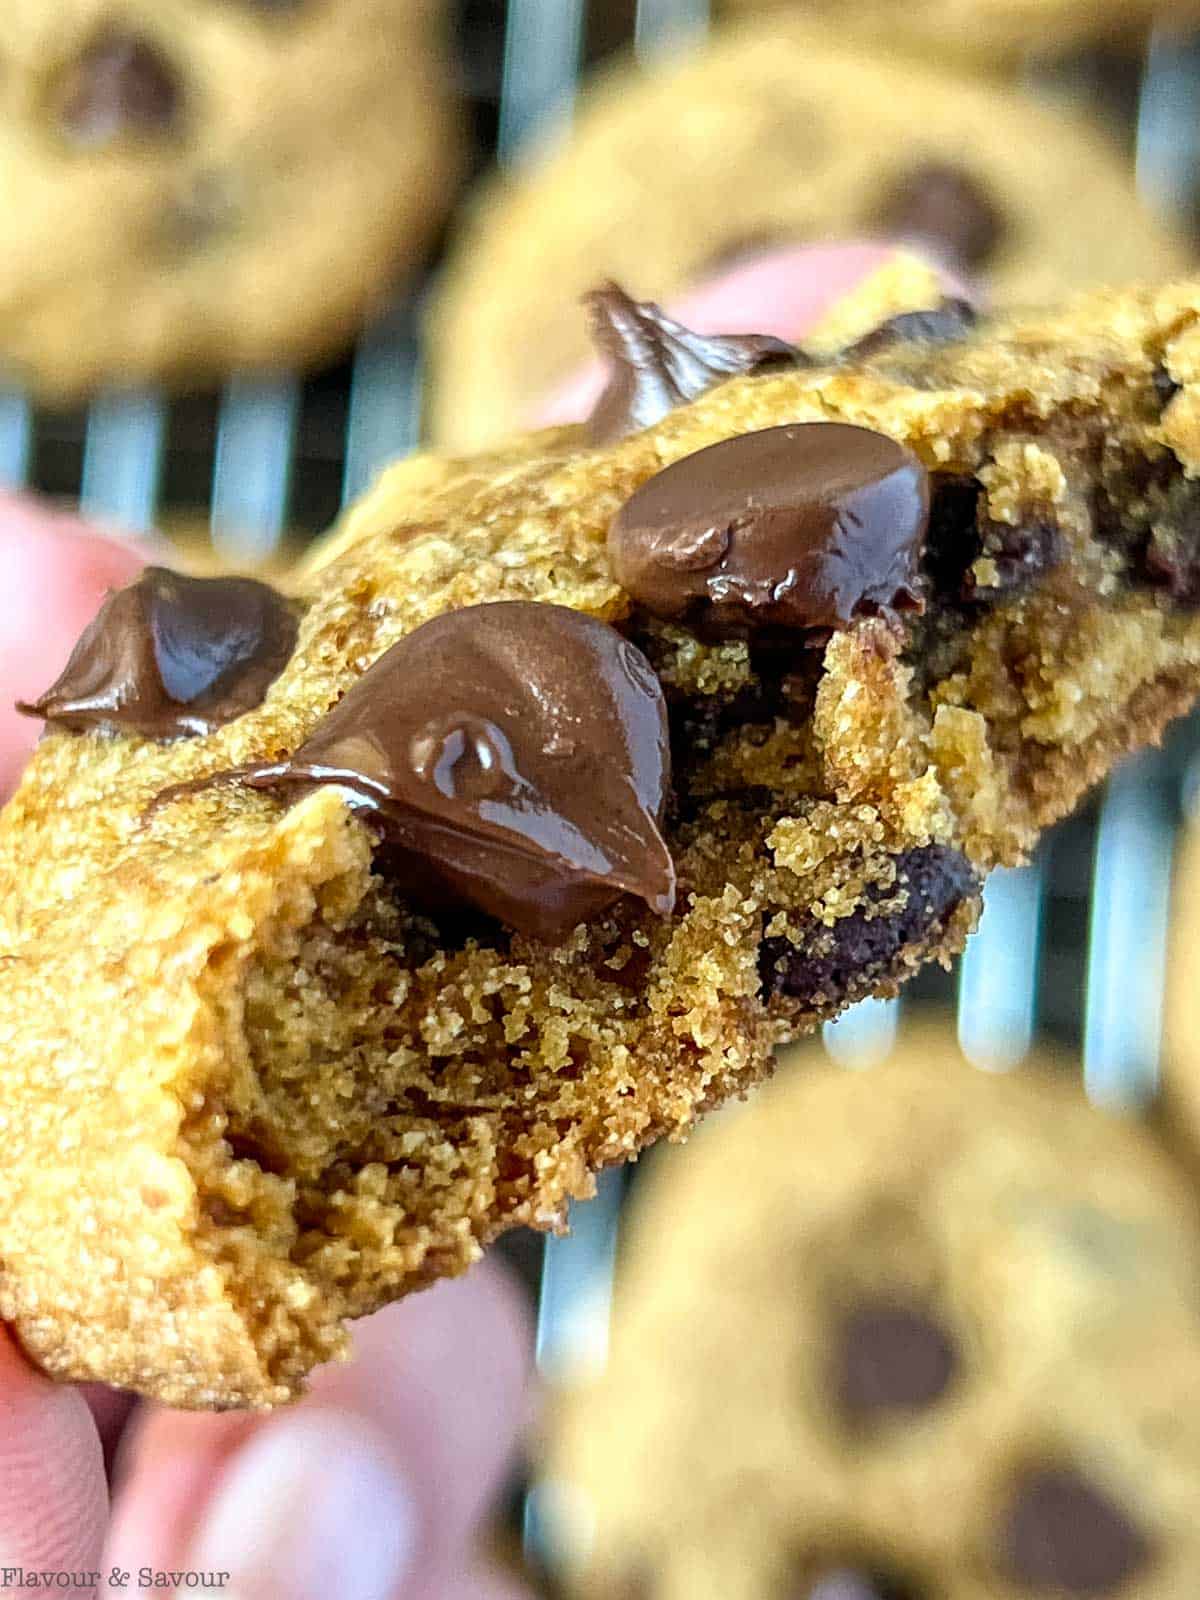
<point>997,985</point>
<point>1127,937</point>
<point>541,70</point>
<point>255,440</point>
<point>665,25</point>
<point>122,456</point>
<point>16,438</point>
<point>384,420</point>
<point>1168,126</point>
<point>864,1034</point>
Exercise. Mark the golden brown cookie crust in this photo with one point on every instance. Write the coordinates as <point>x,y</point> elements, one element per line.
<point>1055,1246</point>
<point>249,1093</point>
<point>310,155</point>
<point>770,133</point>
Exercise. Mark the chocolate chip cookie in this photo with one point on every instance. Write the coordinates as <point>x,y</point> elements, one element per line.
<point>912,1332</point>
<point>193,185</point>
<point>770,134</point>
<point>598,767</point>
<point>988,33</point>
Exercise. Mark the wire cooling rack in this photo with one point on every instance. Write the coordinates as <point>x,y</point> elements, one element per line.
<point>1073,945</point>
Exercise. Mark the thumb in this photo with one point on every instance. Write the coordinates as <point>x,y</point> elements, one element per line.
<point>53,1500</point>
<point>54,572</point>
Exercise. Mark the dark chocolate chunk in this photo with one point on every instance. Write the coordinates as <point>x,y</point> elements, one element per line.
<point>960,532</point>
<point>892,1358</point>
<point>833,962</point>
<point>1063,1535</point>
<point>658,364</point>
<point>1151,516</point>
<point>944,324</point>
<point>848,1583</point>
<point>1019,556</point>
<point>804,527</point>
<point>944,206</point>
<point>513,756</point>
<point>122,86</point>
<point>172,655</point>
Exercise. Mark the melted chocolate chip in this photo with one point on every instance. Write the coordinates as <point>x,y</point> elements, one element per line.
<point>172,655</point>
<point>944,324</point>
<point>1062,1534</point>
<point>944,206</point>
<point>805,527</point>
<point>122,86</point>
<point>513,756</point>
<point>961,532</point>
<point>658,364</point>
<point>831,963</point>
<point>892,1358</point>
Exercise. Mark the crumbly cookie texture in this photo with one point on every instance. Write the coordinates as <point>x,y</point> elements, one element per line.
<point>249,1091</point>
<point>987,33</point>
<point>198,184</point>
<point>912,1276</point>
<point>770,134</point>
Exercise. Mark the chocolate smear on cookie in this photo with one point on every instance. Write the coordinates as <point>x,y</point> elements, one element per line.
<point>171,656</point>
<point>513,756</point>
<point>121,86</point>
<point>942,205</point>
<point>657,364</point>
<point>892,1358</point>
<point>1064,1535</point>
<point>807,527</point>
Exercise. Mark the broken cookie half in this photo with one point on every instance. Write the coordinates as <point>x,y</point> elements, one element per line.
<point>563,785</point>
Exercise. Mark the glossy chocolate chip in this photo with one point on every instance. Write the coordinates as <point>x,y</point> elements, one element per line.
<point>944,324</point>
<point>806,527</point>
<point>944,206</point>
<point>513,756</point>
<point>892,1358</point>
<point>830,963</point>
<point>1062,1535</point>
<point>122,86</point>
<point>172,655</point>
<point>657,364</point>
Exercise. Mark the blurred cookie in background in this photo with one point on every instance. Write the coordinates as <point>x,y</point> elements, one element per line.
<point>193,185</point>
<point>988,33</point>
<point>916,1332</point>
<point>766,136</point>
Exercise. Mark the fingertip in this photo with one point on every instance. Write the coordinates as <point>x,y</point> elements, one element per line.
<point>53,1498</point>
<point>54,572</point>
